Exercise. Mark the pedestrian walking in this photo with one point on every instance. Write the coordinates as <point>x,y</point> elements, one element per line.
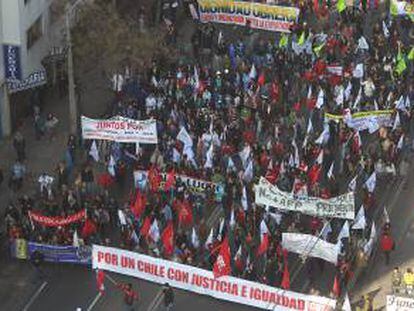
<point>130,296</point>
<point>387,245</point>
<point>19,145</point>
<point>168,297</point>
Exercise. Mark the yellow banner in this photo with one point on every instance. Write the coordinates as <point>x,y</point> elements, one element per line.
<point>360,114</point>
<point>21,249</point>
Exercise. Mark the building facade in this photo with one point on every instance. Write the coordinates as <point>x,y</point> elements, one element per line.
<point>30,30</point>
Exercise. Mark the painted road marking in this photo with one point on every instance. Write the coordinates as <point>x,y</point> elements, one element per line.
<point>92,305</point>
<point>156,301</point>
<point>34,297</point>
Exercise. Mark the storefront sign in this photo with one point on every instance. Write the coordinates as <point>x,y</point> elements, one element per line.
<point>12,62</point>
<point>34,80</point>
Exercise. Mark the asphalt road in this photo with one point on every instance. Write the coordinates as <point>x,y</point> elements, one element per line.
<point>70,287</point>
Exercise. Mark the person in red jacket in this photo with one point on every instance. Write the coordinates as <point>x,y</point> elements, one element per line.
<point>387,245</point>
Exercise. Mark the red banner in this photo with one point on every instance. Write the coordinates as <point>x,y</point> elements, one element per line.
<point>57,221</point>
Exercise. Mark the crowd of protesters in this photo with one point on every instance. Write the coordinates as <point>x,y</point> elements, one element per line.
<point>252,106</point>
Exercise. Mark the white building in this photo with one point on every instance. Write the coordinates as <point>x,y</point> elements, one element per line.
<point>29,30</point>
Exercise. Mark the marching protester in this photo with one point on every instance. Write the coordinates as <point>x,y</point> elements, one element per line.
<point>130,296</point>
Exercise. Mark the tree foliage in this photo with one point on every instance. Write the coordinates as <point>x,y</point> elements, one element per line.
<point>102,37</point>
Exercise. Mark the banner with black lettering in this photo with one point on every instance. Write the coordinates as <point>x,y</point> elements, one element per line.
<point>202,281</point>
<point>251,14</point>
<point>120,129</point>
<point>342,206</point>
<point>398,303</point>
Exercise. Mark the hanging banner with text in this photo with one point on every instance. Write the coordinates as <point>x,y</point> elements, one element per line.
<point>397,303</point>
<point>253,15</point>
<point>57,221</point>
<point>310,246</point>
<point>364,120</point>
<point>202,282</point>
<point>342,206</point>
<point>120,129</point>
<point>195,185</point>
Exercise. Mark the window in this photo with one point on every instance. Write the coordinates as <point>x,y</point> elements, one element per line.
<point>34,33</point>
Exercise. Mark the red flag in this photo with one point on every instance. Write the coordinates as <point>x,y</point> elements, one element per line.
<point>145,227</point>
<point>185,214</point>
<point>272,175</point>
<point>264,245</point>
<point>262,79</point>
<point>139,205</point>
<point>100,278</point>
<point>336,287</point>
<point>314,174</point>
<point>286,277</point>
<point>167,239</point>
<point>88,228</point>
<point>154,178</point>
<point>170,182</point>
<point>222,265</point>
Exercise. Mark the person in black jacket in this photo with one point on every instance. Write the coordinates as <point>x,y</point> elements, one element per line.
<point>168,297</point>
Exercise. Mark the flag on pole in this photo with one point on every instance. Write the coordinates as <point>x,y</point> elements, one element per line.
<point>111,166</point>
<point>346,306</point>
<point>145,228</point>
<point>244,201</point>
<point>400,142</point>
<point>222,265</point>
<point>286,275</point>
<point>326,230</point>
<point>411,54</point>
<point>371,182</point>
<point>100,279</point>
<point>341,5</point>
<point>386,216</point>
<point>317,49</point>
<point>360,222</point>
<point>301,40</point>
<point>352,184</point>
<point>283,41</point>
<point>209,240</point>
<point>194,239</point>
<point>330,171</point>
<point>154,231</point>
<point>264,244</point>
<point>253,73</point>
<point>336,290</point>
<point>167,239</point>
<point>385,29</point>
<point>397,121</point>
<point>75,241</point>
<point>248,173</point>
<point>401,64</point>
<point>232,221</point>
<point>93,152</point>
<point>320,99</point>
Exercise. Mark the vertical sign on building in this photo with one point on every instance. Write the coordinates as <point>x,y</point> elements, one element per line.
<point>12,64</point>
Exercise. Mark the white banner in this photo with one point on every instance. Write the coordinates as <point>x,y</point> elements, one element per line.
<point>310,246</point>
<point>193,184</point>
<point>120,129</point>
<point>396,303</point>
<point>364,120</point>
<point>342,206</point>
<point>202,282</point>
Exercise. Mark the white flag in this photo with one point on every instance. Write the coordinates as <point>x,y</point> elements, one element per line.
<point>358,72</point>
<point>319,159</point>
<point>209,157</point>
<point>310,126</point>
<point>122,218</point>
<point>111,166</point>
<point>75,242</point>
<point>347,304</point>
<point>248,173</point>
<point>371,182</point>
<point>340,96</point>
<point>352,184</point>
<point>344,233</point>
<point>323,137</point>
<point>253,73</point>
<point>386,216</point>
<point>330,171</point>
<point>348,90</point>
<point>373,235</point>
<point>230,165</point>
<point>154,231</point>
<point>244,155</point>
<point>244,201</point>
<point>362,44</point>
<point>320,100</point>
<point>385,29</point>
<point>194,239</point>
<point>360,222</point>
<point>239,252</point>
<point>184,137</point>
<point>309,92</point>
<point>397,121</point>
<point>357,99</point>
<point>220,231</point>
<point>93,152</point>
<point>176,156</point>
<point>209,240</point>
<point>400,142</point>
<point>232,219</point>
<point>326,230</point>
<point>263,228</point>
